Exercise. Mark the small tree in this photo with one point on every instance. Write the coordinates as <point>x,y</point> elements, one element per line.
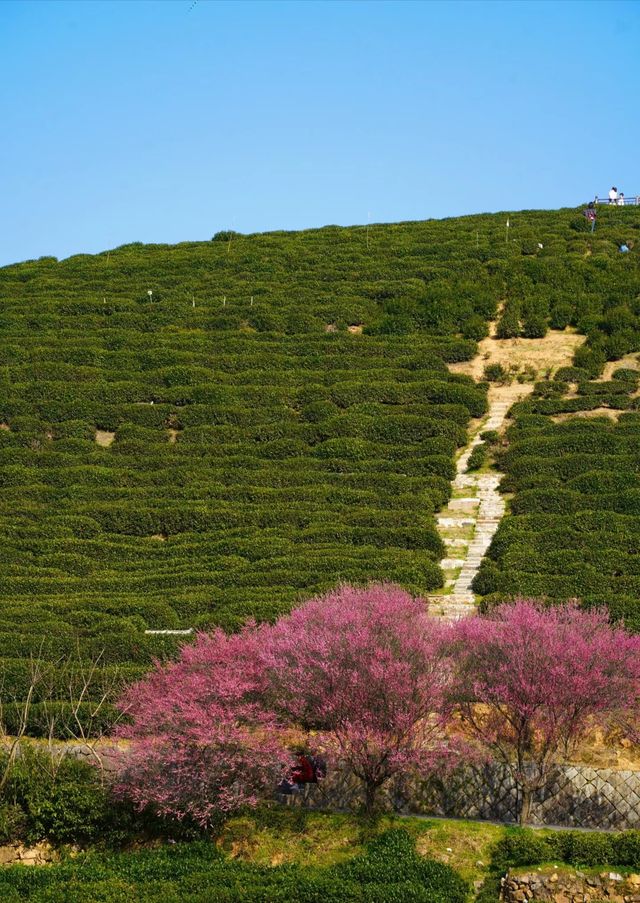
<point>202,743</point>
<point>532,681</point>
<point>366,668</point>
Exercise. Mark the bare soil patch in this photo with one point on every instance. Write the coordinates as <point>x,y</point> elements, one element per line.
<point>105,438</point>
<point>596,412</point>
<point>628,362</point>
<point>173,435</point>
<point>610,749</point>
<point>508,394</point>
<point>544,356</point>
<point>4,426</point>
<point>355,330</point>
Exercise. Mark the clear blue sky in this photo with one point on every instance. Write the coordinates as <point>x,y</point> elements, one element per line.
<point>167,121</point>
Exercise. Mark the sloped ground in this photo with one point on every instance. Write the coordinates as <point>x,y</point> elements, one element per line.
<point>474,511</point>
<point>469,521</point>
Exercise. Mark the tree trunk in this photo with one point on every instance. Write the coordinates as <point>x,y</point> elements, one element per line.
<point>370,797</point>
<point>525,806</point>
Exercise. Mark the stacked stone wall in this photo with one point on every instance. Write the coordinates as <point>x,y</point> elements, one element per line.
<point>570,887</point>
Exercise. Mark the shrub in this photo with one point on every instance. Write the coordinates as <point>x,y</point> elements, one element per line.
<point>478,457</point>
<point>495,373</point>
<point>475,328</point>
<point>509,323</point>
<point>62,802</point>
<point>226,235</point>
<point>13,823</point>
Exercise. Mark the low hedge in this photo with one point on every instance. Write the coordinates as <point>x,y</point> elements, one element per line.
<point>522,847</point>
<point>388,869</point>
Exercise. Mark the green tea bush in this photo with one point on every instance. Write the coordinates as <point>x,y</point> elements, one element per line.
<point>522,847</point>
<point>572,530</point>
<point>64,802</point>
<point>495,373</point>
<point>478,457</point>
<point>389,869</point>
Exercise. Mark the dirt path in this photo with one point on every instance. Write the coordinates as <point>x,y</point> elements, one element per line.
<point>471,518</point>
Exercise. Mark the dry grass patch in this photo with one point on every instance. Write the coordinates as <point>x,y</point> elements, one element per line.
<point>105,438</point>
<point>628,362</point>
<point>544,356</point>
<point>291,835</point>
<point>464,845</point>
<point>596,412</point>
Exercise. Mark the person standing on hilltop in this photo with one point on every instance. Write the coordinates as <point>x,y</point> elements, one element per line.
<point>613,195</point>
<point>590,214</point>
<point>621,199</point>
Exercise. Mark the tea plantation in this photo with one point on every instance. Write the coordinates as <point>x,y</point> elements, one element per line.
<point>574,527</point>
<point>196,434</point>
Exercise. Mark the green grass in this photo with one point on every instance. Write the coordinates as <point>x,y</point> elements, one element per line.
<point>384,868</point>
<point>304,837</point>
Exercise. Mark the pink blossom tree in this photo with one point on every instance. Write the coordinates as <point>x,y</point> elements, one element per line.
<point>531,681</point>
<point>201,740</point>
<point>367,669</point>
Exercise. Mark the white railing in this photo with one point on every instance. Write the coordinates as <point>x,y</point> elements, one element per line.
<point>624,201</point>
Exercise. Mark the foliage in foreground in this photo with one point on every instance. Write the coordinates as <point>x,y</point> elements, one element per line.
<point>544,677</point>
<point>378,682</point>
<point>582,849</point>
<point>209,731</point>
<point>389,870</point>
<point>61,800</point>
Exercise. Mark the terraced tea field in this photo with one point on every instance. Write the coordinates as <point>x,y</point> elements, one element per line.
<point>192,435</point>
<point>573,466</point>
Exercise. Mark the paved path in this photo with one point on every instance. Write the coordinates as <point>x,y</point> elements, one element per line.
<point>468,522</point>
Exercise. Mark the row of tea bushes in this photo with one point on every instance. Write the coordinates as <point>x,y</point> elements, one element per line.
<point>235,494</point>
<point>574,525</point>
<point>253,450</point>
<point>442,277</point>
<point>388,869</point>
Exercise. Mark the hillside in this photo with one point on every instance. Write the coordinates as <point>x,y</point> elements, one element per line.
<point>195,434</point>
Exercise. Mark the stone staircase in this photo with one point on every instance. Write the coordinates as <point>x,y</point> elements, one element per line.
<point>469,521</point>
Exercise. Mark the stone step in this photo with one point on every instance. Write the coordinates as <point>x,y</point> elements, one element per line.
<point>455,521</point>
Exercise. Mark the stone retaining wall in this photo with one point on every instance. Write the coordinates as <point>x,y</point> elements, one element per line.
<point>577,796</point>
<point>40,854</point>
<point>549,886</point>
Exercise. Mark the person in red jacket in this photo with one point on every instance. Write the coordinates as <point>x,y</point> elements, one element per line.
<point>303,771</point>
<point>307,770</point>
